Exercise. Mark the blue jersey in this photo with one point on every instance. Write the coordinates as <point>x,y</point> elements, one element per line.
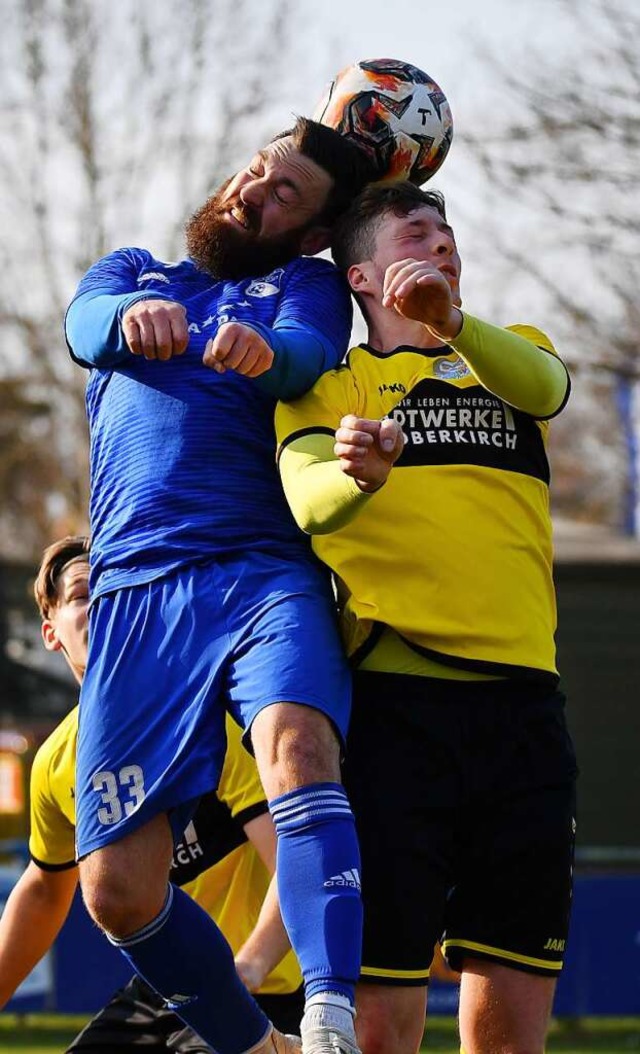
<point>182,457</point>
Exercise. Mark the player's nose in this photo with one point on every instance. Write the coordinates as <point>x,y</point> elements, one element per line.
<point>252,193</point>
<point>443,244</point>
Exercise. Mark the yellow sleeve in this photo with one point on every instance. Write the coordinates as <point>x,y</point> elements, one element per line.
<point>52,835</point>
<point>321,497</point>
<point>240,787</point>
<point>518,364</point>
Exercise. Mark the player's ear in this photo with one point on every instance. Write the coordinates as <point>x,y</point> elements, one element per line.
<point>315,240</point>
<point>359,277</point>
<point>49,635</point>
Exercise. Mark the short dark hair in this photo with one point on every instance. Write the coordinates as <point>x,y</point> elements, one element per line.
<point>55,559</point>
<point>348,166</point>
<point>354,235</point>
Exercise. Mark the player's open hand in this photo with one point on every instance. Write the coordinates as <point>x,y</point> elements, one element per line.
<point>421,291</point>
<point>367,449</point>
<point>238,347</point>
<point>156,329</point>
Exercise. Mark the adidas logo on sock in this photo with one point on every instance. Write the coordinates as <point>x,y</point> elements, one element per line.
<point>350,878</point>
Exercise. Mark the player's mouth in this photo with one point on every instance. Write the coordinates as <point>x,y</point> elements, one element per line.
<point>240,217</point>
<point>449,271</point>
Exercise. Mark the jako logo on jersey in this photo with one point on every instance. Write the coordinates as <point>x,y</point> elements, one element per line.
<point>267,286</point>
<point>395,388</point>
<point>448,370</point>
<point>350,879</point>
<point>554,945</point>
<point>153,276</point>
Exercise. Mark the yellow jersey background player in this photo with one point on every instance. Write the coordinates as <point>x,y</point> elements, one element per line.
<point>459,764</point>
<point>225,859</point>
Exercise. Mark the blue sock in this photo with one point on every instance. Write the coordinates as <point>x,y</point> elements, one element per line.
<point>183,955</point>
<point>319,885</point>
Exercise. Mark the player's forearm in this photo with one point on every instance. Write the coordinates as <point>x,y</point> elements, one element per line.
<point>267,944</point>
<point>33,916</point>
<point>512,367</point>
<point>321,496</point>
<point>93,330</point>
<point>300,357</point>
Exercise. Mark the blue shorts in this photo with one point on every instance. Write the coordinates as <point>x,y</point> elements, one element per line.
<point>167,658</point>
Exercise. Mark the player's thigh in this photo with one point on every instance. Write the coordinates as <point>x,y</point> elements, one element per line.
<point>390,1019</point>
<point>287,648</point>
<point>402,777</point>
<point>151,730</point>
<point>502,1009</point>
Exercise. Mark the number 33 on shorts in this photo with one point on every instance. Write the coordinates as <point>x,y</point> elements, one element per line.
<point>121,793</point>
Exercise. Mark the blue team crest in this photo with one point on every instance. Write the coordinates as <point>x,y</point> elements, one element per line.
<point>267,286</point>
<point>449,370</point>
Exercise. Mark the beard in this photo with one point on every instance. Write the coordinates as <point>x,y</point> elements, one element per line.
<point>225,251</point>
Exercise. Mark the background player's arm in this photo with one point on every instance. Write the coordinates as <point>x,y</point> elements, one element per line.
<point>35,911</point>
<point>328,480</point>
<point>268,943</point>
<point>530,377</point>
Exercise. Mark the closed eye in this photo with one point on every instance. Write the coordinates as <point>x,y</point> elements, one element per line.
<point>281,198</point>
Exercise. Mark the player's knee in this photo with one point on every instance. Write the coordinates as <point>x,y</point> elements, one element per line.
<point>117,905</point>
<point>295,746</point>
<point>380,1034</point>
<point>390,1020</point>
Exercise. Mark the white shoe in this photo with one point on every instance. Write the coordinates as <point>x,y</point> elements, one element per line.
<point>327,1041</point>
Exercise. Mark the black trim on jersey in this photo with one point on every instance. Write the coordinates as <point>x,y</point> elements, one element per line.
<point>429,353</point>
<point>549,417</point>
<point>303,432</point>
<point>509,671</point>
<point>365,649</point>
<point>251,812</point>
<point>497,669</point>
<point>217,833</point>
<point>53,867</point>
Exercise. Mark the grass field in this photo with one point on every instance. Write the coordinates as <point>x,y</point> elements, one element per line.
<point>45,1035</point>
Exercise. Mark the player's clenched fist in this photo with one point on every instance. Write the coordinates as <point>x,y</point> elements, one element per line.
<point>238,347</point>
<point>156,329</point>
<point>368,449</point>
<point>423,291</point>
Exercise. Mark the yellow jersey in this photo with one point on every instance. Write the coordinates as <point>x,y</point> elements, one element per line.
<point>453,554</point>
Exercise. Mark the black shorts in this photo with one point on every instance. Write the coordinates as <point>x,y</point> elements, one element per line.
<point>464,798</point>
<point>136,1017</point>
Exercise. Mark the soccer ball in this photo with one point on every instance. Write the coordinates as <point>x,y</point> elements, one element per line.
<point>394,112</point>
